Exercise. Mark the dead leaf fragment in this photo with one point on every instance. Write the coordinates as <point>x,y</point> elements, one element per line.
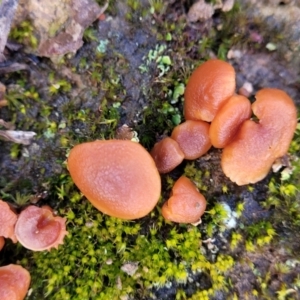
<point>6,125</point>
<point>17,136</point>
<point>200,11</point>
<point>130,268</point>
<point>119,283</point>
<point>126,133</point>
<point>227,5</point>
<point>281,162</point>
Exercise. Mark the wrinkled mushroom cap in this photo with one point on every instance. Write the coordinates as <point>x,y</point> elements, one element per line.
<point>208,88</point>
<point>38,229</point>
<point>186,204</point>
<point>229,118</point>
<point>118,177</point>
<point>167,155</point>
<point>250,156</point>
<point>14,282</point>
<point>277,113</point>
<point>192,138</point>
<point>8,220</point>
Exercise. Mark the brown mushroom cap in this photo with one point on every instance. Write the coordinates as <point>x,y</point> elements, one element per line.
<point>256,146</point>
<point>38,229</point>
<point>192,138</point>
<point>186,204</point>
<point>8,220</point>
<point>167,155</point>
<point>208,88</point>
<point>14,282</point>
<point>118,177</point>
<point>229,118</point>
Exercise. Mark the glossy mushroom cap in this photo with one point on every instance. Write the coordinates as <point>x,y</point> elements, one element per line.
<point>38,229</point>
<point>192,138</point>
<point>14,282</point>
<point>208,88</point>
<point>256,146</point>
<point>167,155</point>
<point>277,114</point>
<point>8,220</point>
<point>2,242</point>
<point>186,204</point>
<point>118,177</point>
<point>225,125</point>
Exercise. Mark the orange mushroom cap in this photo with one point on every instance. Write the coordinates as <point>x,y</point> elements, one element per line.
<point>2,242</point>
<point>167,155</point>
<point>14,282</point>
<point>38,229</point>
<point>277,113</point>
<point>229,118</point>
<point>186,204</point>
<point>118,177</point>
<point>192,138</point>
<point>8,220</point>
<point>256,146</point>
<point>208,88</point>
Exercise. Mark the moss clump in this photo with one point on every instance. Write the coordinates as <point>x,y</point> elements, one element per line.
<point>24,34</point>
<point>283,195</point>
<point>100,252</point>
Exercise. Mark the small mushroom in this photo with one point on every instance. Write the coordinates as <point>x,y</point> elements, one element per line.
<point>38,229</point>
<point>192,138</point>
<point>229,118</point>
<point>186,204</point>
<point>208,88</point>
<point>8,220</point>
<point>167,155</point>
<point>249,157</point>
<point>14,282</point>
<point>118,177</point>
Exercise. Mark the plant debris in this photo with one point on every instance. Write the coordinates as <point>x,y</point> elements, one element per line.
<point>18,136</point>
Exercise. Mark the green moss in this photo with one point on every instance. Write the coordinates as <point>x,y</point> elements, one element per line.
<point>23,33</point>
<point>283,192</point>
<point>97,247</point>
<point>56,86</point>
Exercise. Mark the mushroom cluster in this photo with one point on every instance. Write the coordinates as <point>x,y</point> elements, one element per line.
<point>35,228</point>
<point>250,146</point>
<point>122,180</point>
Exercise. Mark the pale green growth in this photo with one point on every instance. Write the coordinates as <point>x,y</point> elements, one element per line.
<point>102,47</point>
<point>162,62</point>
